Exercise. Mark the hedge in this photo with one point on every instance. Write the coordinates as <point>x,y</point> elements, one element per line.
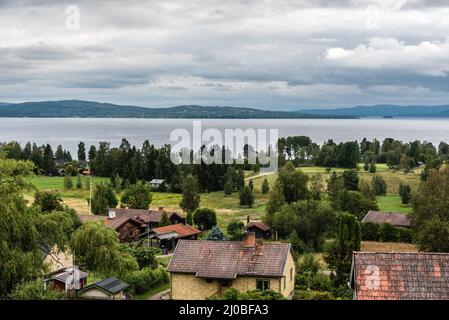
<point>143,280</point>
<point>385,233</point>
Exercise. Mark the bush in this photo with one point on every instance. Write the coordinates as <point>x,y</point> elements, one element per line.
<point>405,235</point>
<point>146,279</point>
<point>234,294</point>
<point>370,231</point>
<point>34,290</point>
<point>388,233</point>
<point>312,295</point>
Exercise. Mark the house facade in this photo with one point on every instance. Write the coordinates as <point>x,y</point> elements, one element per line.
<point>200,269</point>
<point>168,236</point>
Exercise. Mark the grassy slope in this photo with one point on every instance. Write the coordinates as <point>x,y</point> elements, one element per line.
<point>228,208</point>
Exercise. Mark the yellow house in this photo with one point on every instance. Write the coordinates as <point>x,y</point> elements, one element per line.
<point>202,268</point>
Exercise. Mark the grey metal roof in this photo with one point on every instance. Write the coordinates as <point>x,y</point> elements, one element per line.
<point>112,285</point>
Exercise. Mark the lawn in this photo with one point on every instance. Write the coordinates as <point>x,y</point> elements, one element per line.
<point>392,203</point>
<point>147,295</point>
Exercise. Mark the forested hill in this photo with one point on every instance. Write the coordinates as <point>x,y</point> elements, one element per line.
<point>88,109</point>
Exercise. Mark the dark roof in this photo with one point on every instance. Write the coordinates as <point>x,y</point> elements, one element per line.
<point>395,219</point>
<point>142,214</point>
<point>400,276</point>
<point>229,259</point>
<point>118,222</point>
<point>110,285</point>
<point>179,230</point>
<point>259,225</point>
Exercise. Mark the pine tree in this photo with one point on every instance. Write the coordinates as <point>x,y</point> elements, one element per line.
<point>251,184</point>
<point>81,152</point>
<point>372,167</point>
<point>247,197</point>
<point>265,186</point>
<point>228,187</point>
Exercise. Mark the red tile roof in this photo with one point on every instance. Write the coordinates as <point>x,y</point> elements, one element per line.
<point>183,230</point>
<point>395,219</point>
<point>400,276</point>
<point>259,225</point>
<point>229,259</point>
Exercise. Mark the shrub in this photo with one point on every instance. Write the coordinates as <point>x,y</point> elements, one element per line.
<point>146,279</point>
<point>370,231</point>
<point>388,233</point>
<point>34,290</point>
<point>312,295</point>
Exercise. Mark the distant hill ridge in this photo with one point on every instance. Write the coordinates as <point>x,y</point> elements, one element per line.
<point>88,109</point>
<point>91,109</point>
<point>384,110</point>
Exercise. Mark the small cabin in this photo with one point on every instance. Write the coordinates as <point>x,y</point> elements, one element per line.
<point>261,229</point>
<point>107,289</point>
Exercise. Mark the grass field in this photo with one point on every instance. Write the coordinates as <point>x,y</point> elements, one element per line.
<point>228,208</point>
<point>388,247</point>
<point>392,203</point>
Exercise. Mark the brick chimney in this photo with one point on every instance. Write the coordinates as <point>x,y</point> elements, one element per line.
<point>161,209</point>
<point>249,240</point>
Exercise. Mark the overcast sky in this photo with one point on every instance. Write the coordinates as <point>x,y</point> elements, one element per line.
<point>270,54</point>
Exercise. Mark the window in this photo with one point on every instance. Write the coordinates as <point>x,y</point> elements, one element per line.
<point>209,280</point>
<point>285,282</point>
<point>291,274</point>
<point>262,284</point>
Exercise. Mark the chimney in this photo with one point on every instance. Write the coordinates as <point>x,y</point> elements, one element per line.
<point>249,240</point>
<point>161,209</point>
<point>111,214</point>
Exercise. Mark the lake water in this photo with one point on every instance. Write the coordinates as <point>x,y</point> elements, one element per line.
<point>69,131</point>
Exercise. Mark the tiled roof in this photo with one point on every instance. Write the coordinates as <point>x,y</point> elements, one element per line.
<point>118,222</point>
<point>183,230</point>
<point>395,219</point>
<point>229,259</point>
<point>144,215</point>
<point>259,225</point>
<point>400,276</point>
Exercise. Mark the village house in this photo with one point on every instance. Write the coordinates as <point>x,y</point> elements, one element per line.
<point>168,236</point>
<point>261,229</point>
<point>131,224</point>
<point>400,276</point>
<point>107,289</point>
<point>401,220</point>
<point>202,268</point>
<point>66,279</point>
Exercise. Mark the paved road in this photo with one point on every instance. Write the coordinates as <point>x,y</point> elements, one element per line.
<point>161,295</point>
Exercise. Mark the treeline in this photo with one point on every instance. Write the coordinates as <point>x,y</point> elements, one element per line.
<point>149,162</point>
<point>302,150</point>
